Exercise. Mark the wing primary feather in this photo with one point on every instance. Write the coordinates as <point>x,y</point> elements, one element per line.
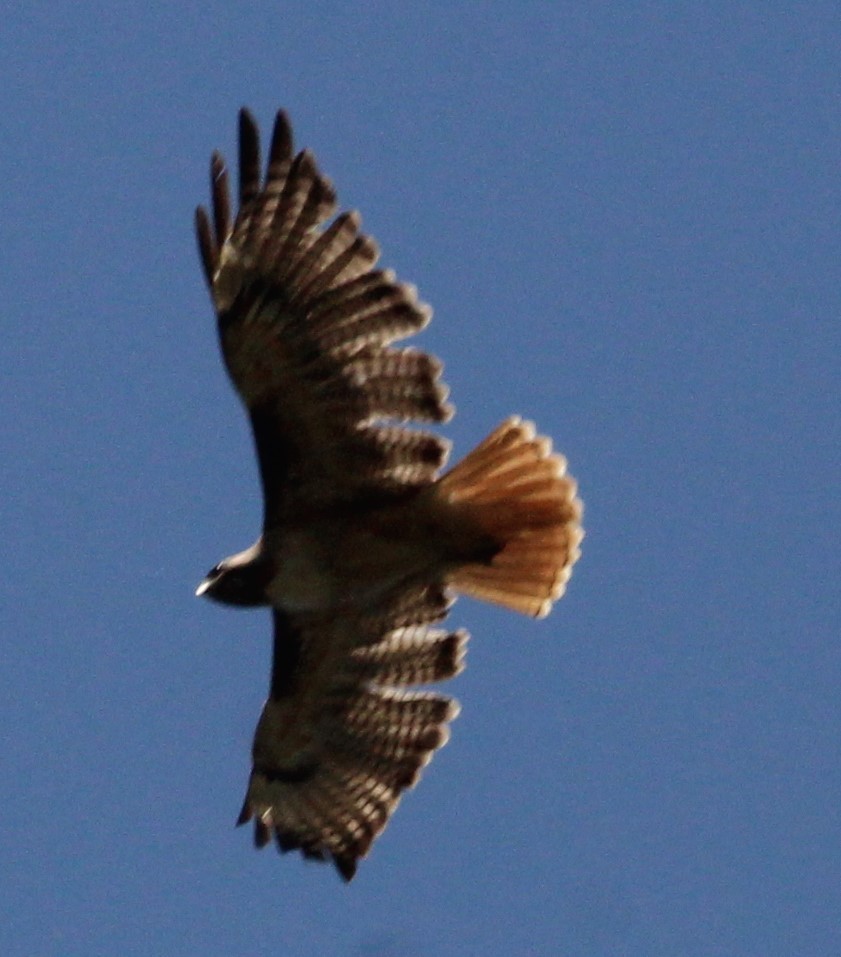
<point>349,264</point>
<point>286,841</point>
<point>374,282</point>
<point>262,833</point>
<point>207,247</point>
<point>336,237</point>
<point>311,200</point>
<point>297,210</point>
<point>221,199</point>
<point>333,243</point>
<point>345,865</point>
<point>364,321</point>
<point>249,158</point>
<point>280,151</point>
<point>245,814</point>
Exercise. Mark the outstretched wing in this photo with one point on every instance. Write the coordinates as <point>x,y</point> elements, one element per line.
<point>306,325</point>
<point>341,734</point>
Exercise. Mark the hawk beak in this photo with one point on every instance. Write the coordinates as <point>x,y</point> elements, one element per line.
<point>202,588</point>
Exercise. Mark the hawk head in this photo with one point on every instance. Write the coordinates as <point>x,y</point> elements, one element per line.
<point>238,580</point>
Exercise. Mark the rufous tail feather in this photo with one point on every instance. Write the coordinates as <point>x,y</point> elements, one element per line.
<point>518,492</point>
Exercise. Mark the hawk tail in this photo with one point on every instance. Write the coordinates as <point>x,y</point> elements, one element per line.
<point>518,493</point>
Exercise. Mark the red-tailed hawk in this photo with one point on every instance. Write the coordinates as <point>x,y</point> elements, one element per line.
<point>363,541</point>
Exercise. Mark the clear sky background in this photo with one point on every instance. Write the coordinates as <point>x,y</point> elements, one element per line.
<point>626,217</point>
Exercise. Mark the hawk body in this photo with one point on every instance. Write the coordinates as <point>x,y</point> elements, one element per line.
<point>363,540</point>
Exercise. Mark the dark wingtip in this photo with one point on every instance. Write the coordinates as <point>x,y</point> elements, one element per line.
<point>280,151</point>
<point>245,814</point>
<point>262,833</point>
<point>286,842</point>
<point>346,866</point>
<point>217,167</point>
<point>207,247</point>
<point>249,156</point>
<point>221,198</point>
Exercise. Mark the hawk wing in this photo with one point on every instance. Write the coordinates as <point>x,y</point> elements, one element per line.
<point>306,325</point>
<point>341,736</point>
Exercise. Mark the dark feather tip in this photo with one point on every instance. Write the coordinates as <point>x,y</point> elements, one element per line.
<point>286,842</point>
<point>248,128</point>
<point>314,852</point>
<point>281,148</point>
<point>221,199</point>
<point>249,157</point>
<point>346,866</point>
<point>217,166</point>
<point>207,246</point>
<point>245,814</point>
<point>262,834</point>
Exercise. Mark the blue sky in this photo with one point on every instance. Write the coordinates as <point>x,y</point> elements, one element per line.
<point>627,220</point>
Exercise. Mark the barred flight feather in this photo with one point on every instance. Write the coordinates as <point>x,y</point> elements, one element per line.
<point>361,321</point>
<point>306,200</point>
<point>396,455</point>
<point>327,317</point>
<point>322,249</point>
<point>418,605</point>
<point>411,656</point>
<point>376,282</point>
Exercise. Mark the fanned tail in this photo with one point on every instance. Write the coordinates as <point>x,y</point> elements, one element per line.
<point>518,493</point>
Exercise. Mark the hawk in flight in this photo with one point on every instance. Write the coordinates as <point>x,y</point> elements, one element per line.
<point>364,541</point>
